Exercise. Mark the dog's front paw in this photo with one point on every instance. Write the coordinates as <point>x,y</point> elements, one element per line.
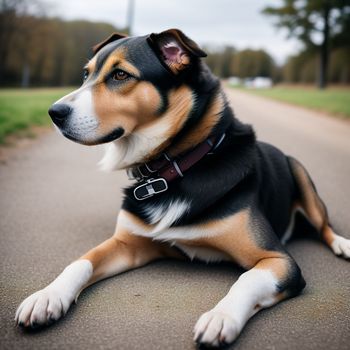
<point>42,308</point>
<point>215,329</point>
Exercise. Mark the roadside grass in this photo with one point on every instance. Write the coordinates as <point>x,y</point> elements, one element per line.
<point>20,109</point>
<point>333,100</point>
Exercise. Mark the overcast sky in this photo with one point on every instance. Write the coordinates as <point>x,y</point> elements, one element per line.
<point>209,22</point>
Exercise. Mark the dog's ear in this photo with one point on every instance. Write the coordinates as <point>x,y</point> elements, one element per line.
<point>176,50</point>
<point>113,37</point>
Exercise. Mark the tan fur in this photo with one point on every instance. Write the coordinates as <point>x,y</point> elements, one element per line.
<point>180,105</point>
<point>236,240</point>
<point>328,235</point>
<point>123,252</point>
<point>133,104</point>
<point>117,60</point>
<point>277,265</point>
<point>309,200</point>
<point>311,203</point>
<point>203,129</point>
<point>132,107</point>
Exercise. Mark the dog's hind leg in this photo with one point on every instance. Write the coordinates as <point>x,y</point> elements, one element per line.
<point>117,254</point>
<point>315,210</point>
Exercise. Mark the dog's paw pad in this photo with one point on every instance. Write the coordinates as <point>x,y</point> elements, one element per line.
<point>215,328</point>
<point>341,246</point>
<point>41,308</point>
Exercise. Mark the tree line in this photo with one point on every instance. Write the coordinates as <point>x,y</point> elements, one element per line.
<point>322,26</point>
<point>228,61</point>
<point>300,68</point>
<point>40,51</point>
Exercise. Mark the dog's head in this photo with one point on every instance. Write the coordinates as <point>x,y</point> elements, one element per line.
<point>132,86</point>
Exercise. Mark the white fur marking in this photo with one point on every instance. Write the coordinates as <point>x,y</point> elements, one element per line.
<point>82,123</point>
<point>167,234</point>
<point>133,148</point>
<point>163,216</point>
<point>341,246</point>
<point>289,231</point>
<point>172,44</point>
<point>254,290</point>
<point>53,301</point>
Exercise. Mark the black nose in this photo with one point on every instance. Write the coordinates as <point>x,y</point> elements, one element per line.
<point>59,113</point>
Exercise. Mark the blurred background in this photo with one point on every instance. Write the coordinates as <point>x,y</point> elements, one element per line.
<point>285,68</point>
<point>281,48</point>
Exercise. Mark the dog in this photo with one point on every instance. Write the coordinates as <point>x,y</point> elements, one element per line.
<point>203,186</point>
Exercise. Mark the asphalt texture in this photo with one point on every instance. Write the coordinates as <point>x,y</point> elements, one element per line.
<point>55,205</point>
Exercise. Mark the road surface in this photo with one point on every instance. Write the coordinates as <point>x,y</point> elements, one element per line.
<point>55,205</point>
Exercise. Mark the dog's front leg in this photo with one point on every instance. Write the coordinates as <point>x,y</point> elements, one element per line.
<point>270,281</point>
<point>120,253</point>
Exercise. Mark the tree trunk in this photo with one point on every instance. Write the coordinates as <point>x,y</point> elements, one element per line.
<point>324,53</point>
<point>130,17</point>
<point>25,76</point>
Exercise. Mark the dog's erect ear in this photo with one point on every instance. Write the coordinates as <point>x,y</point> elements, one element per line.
<point>113,37</point>
<point>176,49</point>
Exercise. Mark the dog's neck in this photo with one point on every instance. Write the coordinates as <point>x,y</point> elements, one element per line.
<point>208,115</point>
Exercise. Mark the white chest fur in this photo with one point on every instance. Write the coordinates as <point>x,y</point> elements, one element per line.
<point>161,218</point>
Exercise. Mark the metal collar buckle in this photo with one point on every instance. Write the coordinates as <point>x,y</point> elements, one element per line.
<point>135,174</point>
<point>150,188</point>
<point>131,175</point>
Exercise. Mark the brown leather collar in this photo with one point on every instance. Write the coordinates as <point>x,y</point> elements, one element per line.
<point>157,173</point>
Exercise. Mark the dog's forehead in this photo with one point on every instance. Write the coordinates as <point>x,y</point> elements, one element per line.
<point>133,48</point>
<point>106,51</point>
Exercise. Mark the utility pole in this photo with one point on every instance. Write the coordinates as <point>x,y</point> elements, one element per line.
<point>130,16</point>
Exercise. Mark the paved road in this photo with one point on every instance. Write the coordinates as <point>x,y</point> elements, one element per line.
<point>54,206</point>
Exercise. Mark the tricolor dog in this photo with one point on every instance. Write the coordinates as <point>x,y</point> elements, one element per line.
<point>203,187</point>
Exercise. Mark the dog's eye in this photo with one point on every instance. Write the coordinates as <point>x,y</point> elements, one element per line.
<point>120,75</point>
<point>85,74</point>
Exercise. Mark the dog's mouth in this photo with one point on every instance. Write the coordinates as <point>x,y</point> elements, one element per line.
<point>112,136</point>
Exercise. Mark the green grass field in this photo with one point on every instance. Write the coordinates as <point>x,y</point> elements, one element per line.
<point>333,100</point>
<point>20,109</point>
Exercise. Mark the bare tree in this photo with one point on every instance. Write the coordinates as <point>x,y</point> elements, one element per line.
<point>307,19</point>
